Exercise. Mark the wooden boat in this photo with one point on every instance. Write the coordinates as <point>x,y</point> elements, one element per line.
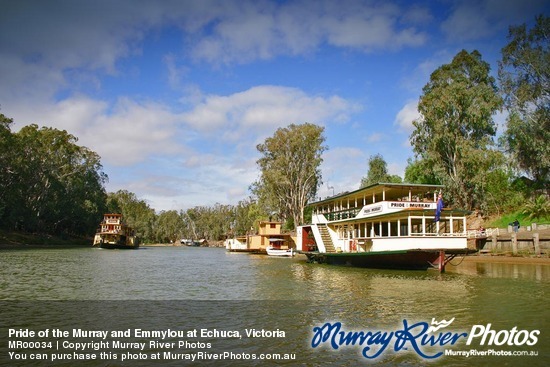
<point>113,233</point>
<point>386,225</point>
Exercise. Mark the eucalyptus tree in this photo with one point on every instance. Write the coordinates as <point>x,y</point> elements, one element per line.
<point>290,170</point>
<point>7,170</point>
<point>208,222</point>
<point>247,215</point>
<point>59,186</point>
<point>137,213</point>
<point>454,133</point>
<point>524,75</point>
<point>169,226</point>
<point>378,172</point>
<point>418,171</point>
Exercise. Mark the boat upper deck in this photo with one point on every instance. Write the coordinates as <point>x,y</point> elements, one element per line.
<point>377,199</point>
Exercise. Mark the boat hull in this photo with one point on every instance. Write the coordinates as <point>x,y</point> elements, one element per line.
<point>406,259</point>
<point>279,252</point>
<point>113,246</point>
<point>110,241</point>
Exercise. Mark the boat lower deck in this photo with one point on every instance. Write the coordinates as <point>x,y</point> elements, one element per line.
<point>403,259</point>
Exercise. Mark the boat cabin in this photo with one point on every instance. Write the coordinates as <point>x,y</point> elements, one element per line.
<point>112,223</point>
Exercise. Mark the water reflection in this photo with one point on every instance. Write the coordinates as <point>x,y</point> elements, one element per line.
<point>538,272</point>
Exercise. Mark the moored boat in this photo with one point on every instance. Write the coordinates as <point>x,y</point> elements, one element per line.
<point>279,247</point>
<point>191,243</point>
<point>269,236</point>
<point>280,252</point>
<point>113,233</point>
<point>399,226</point>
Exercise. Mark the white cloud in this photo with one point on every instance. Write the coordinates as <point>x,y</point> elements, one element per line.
<point>406,116</point>
<point>123,134</point>
<point>260,110</point>
<point>342,169</point>
<point>218,179</point>
<point>262,30</point>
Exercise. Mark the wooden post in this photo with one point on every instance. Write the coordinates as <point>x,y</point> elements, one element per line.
<point>441,261</point>
<point>514,243</point>
<point>494,241</point>
<point>536,243</point>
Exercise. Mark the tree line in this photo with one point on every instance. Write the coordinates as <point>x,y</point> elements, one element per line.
<point>49,184</point>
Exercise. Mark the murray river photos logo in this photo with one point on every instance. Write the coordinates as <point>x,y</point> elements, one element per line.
<point>428,341</point>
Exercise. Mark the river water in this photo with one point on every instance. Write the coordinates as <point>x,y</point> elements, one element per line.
<point>298,306</point>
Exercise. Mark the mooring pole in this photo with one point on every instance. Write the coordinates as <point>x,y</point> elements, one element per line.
<point>441,261</point>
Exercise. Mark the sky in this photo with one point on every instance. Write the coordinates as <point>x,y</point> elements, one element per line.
<point>175,96</point>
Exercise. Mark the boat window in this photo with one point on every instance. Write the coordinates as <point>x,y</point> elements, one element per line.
<point>404,229</point>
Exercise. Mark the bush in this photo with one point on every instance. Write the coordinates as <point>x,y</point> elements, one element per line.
<point>537,208</point>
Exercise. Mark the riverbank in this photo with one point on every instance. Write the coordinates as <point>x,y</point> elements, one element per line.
<point>506,259</point>
<point>19,239</point>
<point>16,239</point>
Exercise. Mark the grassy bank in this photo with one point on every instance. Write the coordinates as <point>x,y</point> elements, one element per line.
<point>36,239</point>
<point>503,221</point>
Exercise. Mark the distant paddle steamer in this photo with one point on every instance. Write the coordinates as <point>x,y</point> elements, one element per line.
<point>113,233</point>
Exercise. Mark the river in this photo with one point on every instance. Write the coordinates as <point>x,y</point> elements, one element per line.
<point>241,309</point>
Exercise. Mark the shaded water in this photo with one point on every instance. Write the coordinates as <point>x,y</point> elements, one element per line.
<point>157,288</point>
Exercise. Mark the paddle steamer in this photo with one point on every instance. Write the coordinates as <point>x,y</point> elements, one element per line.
<point>385,225</point>
<point>113,233</point>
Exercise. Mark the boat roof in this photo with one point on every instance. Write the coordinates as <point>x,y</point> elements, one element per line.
<point>390,191</point>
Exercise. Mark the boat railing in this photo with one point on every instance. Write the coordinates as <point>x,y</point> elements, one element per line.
<point>436,234</point>
<point>342,214</point>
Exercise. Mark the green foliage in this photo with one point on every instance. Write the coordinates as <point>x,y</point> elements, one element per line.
<point>136,213</point>
<point>290,173</point>
<point>420,172</point>
<point>7,170</point>
<point>538,207</point>
<point>455,131</point>
<point>524,75</point>
<point>500,196</point>
<point>168,228</point>
<point>378,172</point>
<point>211,223</point>
<point>247,215</point>
<point>51,185</point>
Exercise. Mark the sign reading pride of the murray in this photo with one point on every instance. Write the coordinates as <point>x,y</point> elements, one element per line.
<point>246,183</point>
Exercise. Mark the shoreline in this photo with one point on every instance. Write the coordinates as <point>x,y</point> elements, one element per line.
<point>506,259</point>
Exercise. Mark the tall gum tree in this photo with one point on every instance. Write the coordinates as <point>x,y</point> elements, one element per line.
<point>524,76</point>
<point>455,130</point>
<point>378,172</point>
<point>290,173</point>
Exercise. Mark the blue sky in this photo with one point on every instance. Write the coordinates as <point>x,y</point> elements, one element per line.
<point>175,95</point>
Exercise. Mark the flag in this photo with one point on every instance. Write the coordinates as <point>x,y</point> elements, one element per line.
<point>439,208</point>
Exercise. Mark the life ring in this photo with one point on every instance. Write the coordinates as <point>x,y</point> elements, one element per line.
<point>353,245</point>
